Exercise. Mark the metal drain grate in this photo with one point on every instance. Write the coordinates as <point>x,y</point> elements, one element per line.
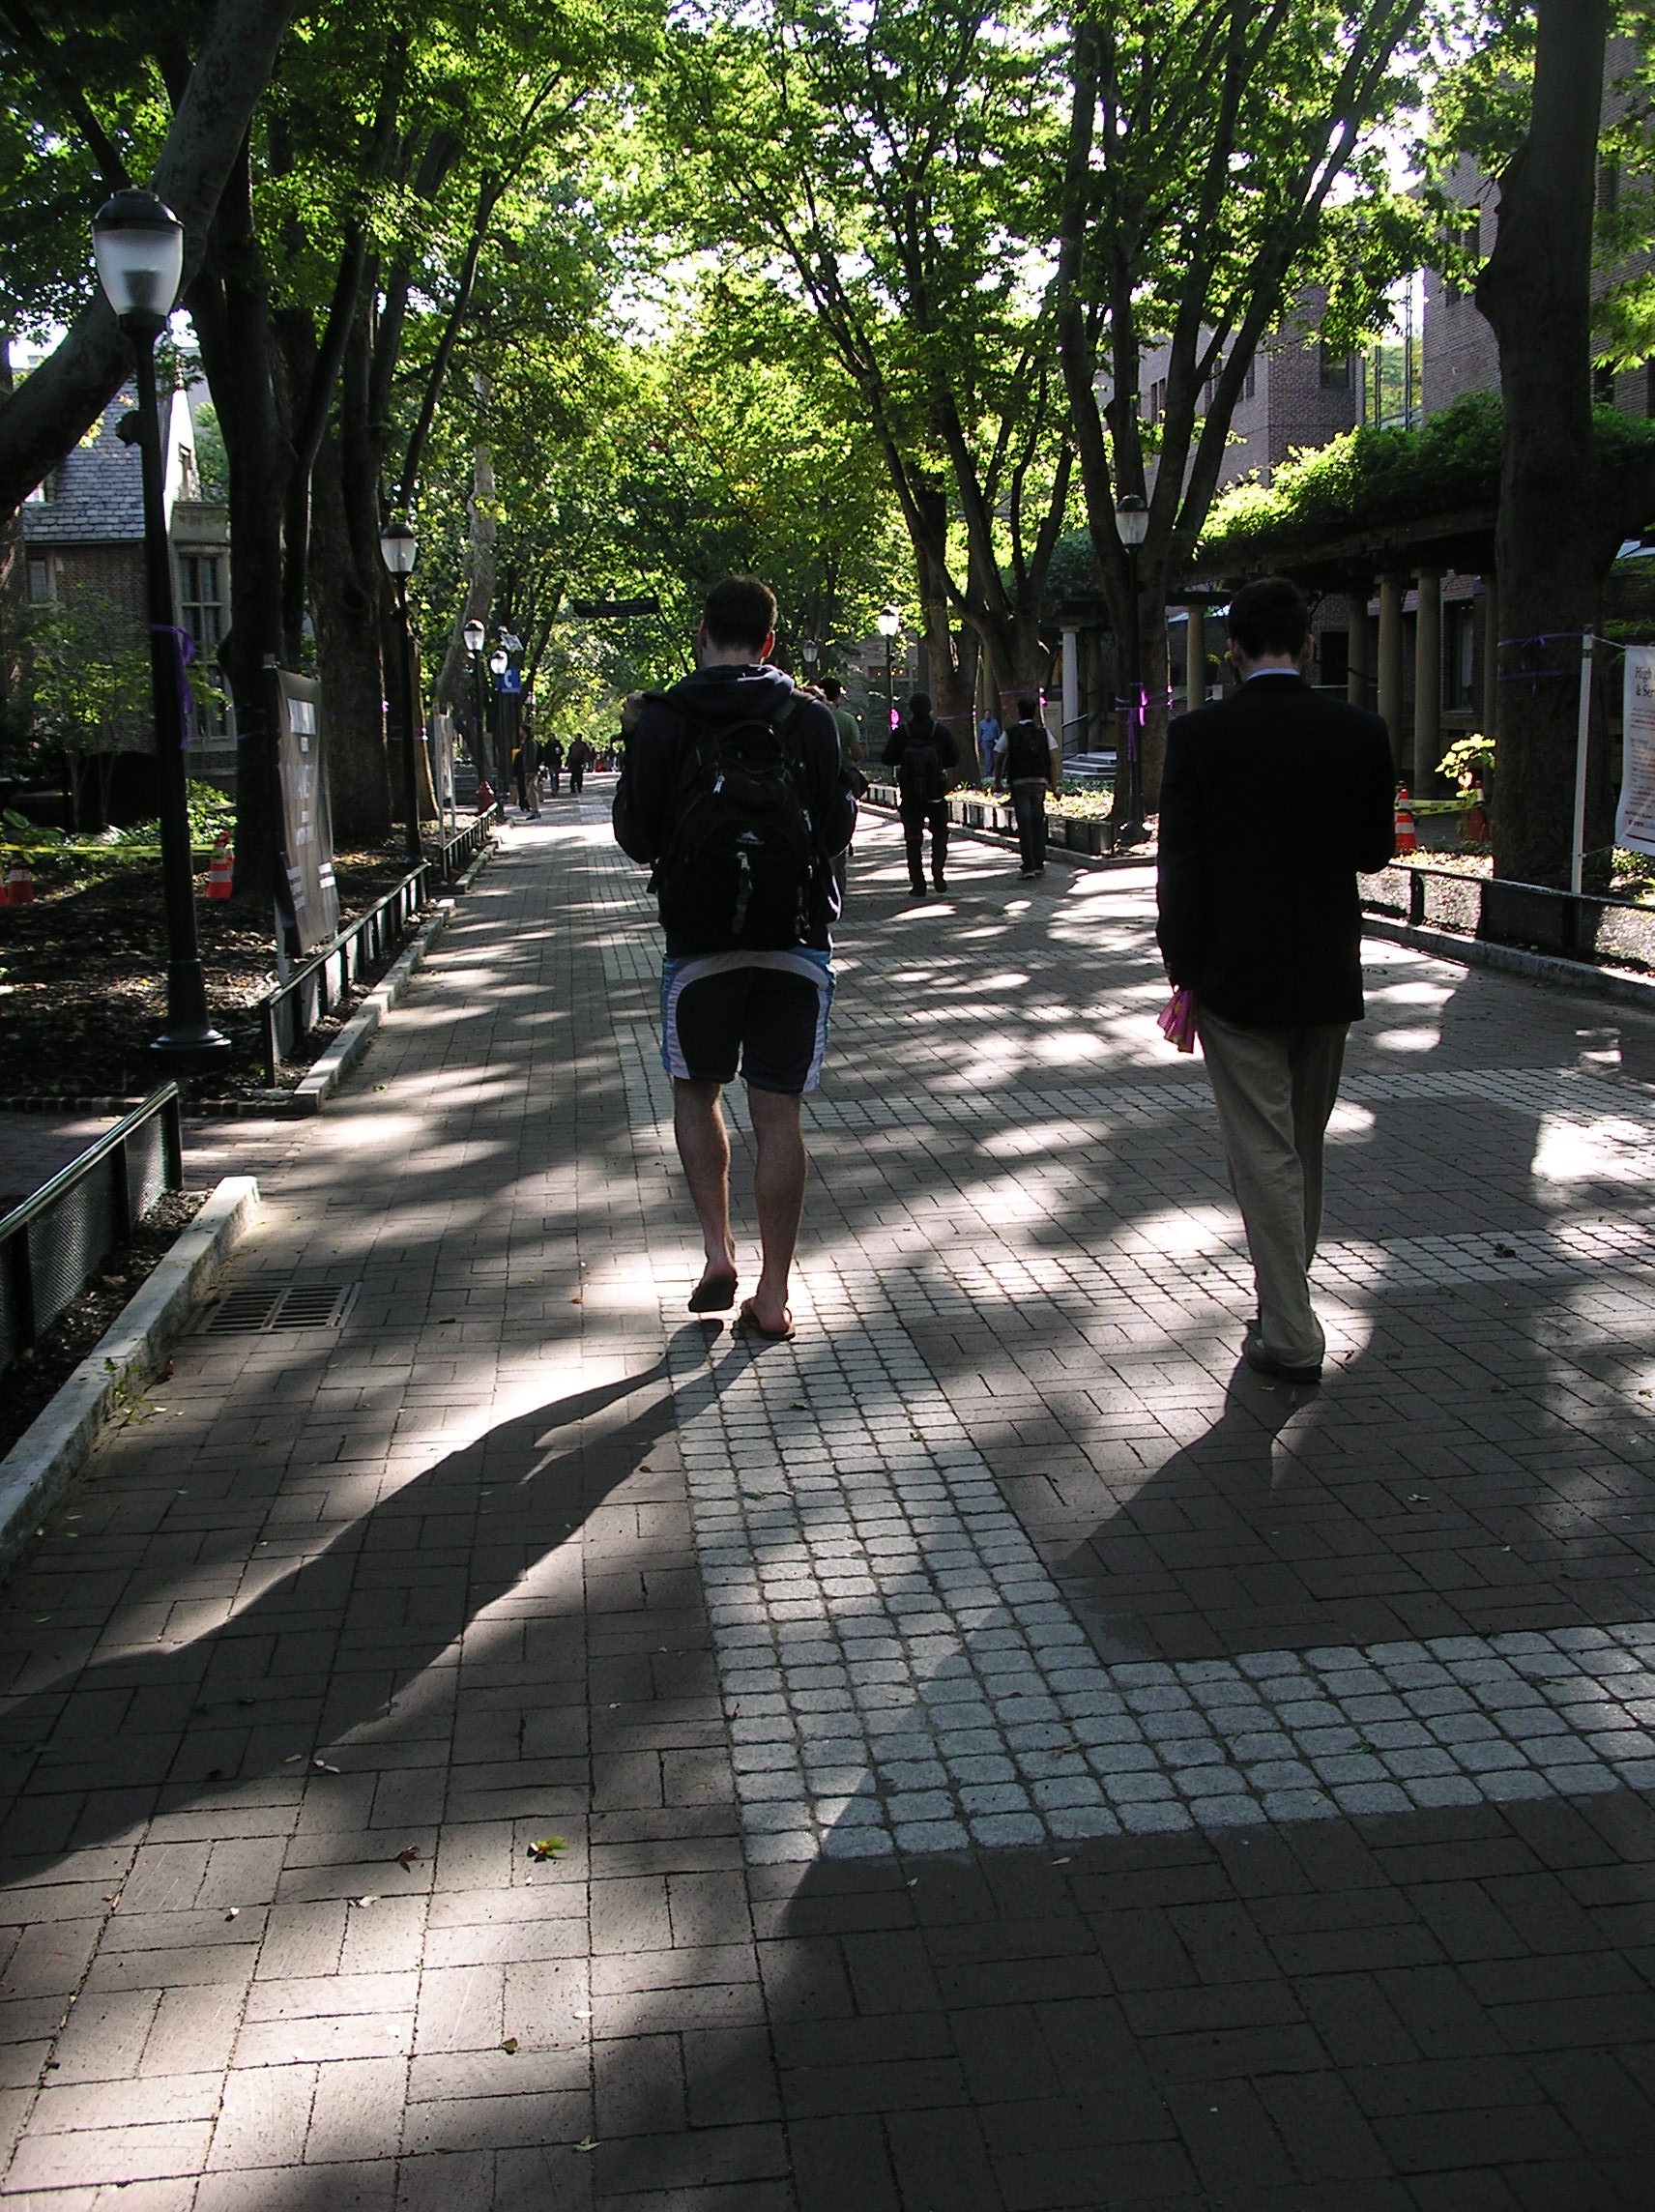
<point>302,1305</point>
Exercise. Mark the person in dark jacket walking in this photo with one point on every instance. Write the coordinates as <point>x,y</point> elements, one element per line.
<point>1271,802</point>
<point>764,1004</point>
<point>924,755</point>
<point>1026,757</point>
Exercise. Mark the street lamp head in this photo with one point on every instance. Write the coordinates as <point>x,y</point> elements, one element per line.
<point>1132,519</point>
<point>499,660</point>
<point>810,648</point>
<point>473,634</point>
<point>138,245</point>
<point>398,548</point>
<point>889,622</point>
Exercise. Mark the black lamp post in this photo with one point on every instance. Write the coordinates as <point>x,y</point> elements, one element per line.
<point>889,621</point>
<point>138,245</point>
<point>473,634</point>
<point>398,549</point>
<point>498,662</point>
<point>1132,521</point>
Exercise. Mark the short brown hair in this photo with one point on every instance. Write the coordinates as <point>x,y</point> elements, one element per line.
<point>740,611</point>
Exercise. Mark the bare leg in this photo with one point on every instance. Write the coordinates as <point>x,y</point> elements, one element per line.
<point>778,1193</point>
<point>703,1148</point>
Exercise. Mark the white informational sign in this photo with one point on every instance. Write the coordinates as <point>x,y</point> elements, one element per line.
<point>1635,817</point>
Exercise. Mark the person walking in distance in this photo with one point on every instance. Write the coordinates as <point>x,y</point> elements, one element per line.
<point>850,758</point>
<point>924,755</point>
<point>551,760</point>
<point>1273,801</point>
<point>579,758</point>
<point>988,742</point>
<point>1025,756</point>
<point>732,793</point>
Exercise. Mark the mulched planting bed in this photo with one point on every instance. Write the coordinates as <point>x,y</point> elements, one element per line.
<point>83,980</point>
<point>28,1385</point>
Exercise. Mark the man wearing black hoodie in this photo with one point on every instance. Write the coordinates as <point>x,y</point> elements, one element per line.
<point>924,755</point>
<point>762,1006</point>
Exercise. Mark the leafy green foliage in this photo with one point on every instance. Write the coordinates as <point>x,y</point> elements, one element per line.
<point>1366,477</point>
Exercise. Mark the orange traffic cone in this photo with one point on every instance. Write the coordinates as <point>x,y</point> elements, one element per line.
<point>222,875</point>
<point>1406,840</point>
<point>19,883</point>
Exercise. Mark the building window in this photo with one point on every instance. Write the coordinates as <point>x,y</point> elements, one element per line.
<point>40,579</point>
<point>199,594</point>
<point>188,481</point>
<point>1335,370</point>
<point>1608,187</point>
<point>1252,384</point>
<point>44,492</point>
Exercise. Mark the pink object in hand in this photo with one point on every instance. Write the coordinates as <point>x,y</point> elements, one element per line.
<point>1176,1021</point>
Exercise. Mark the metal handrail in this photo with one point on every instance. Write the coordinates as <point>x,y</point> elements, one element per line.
<point>1511,912</point>
<point>17,1256</point>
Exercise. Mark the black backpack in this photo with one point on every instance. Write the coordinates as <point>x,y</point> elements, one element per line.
<point>1027,751</point>
<point>741,866</point>
<point>919,771</point>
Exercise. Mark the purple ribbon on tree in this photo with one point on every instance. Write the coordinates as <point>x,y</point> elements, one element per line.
<point>184,653</point>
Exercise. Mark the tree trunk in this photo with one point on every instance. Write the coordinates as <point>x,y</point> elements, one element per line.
<point>454,681</point>
<point>346,612</point>
<point>230,309</point>
<point>1551,553</point>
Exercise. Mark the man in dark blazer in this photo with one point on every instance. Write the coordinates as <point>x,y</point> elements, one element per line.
<point>1271,802</point>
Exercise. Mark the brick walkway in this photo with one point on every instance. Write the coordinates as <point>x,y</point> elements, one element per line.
<point>1001,1757</point>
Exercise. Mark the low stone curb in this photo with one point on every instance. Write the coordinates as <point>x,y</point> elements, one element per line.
<point>1512,960</point>
<point>57,1445</point>
<point>354,1039</point>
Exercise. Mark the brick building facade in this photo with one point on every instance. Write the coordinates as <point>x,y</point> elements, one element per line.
<point>82,539</point>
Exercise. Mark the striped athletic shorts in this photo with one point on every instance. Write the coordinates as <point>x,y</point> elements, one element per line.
<point>766,1011</point>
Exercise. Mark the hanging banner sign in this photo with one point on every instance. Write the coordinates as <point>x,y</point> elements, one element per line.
<point>1635,817</point>
<point>307,895</point>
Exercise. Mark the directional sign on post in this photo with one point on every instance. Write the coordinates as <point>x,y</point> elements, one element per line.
<point>1635,818</point>
<point>307,900</point>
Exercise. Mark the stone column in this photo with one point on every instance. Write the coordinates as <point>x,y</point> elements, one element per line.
<point>1427,682</point>
<point>1390,700</point>
<point>1491,654</point>
<point>1195,656</point>
<point>1358,684</point>
<point>1071,690</point>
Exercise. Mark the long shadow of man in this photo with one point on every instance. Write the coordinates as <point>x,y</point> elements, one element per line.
<point>334,1644</point>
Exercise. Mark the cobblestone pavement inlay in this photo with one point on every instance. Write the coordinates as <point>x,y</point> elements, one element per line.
<point>900,1671</point>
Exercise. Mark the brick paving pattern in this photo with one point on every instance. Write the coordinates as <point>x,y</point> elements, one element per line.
<point>998,1754</point>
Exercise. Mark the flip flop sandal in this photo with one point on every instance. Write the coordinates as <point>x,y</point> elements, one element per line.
<point>714,1293</point>
<point>748,1322</point>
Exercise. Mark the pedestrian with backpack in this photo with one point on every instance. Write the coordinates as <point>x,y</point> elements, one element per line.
<point>924,755</point>
<point>732,792</point>
<point>579,757</point>
<point>1026,758</point>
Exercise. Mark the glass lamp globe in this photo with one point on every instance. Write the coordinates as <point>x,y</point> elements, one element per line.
<point>138,245</point>
<point>398,546</point>
<point>473,634</point>
<point>1132,519</point>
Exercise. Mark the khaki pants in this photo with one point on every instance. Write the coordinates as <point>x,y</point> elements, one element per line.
<point>1274,1090</point>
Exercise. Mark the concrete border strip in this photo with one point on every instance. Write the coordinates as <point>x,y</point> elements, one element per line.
<point>357,1034</point>
<point>58,1443</point>
<point>1583,976</point>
